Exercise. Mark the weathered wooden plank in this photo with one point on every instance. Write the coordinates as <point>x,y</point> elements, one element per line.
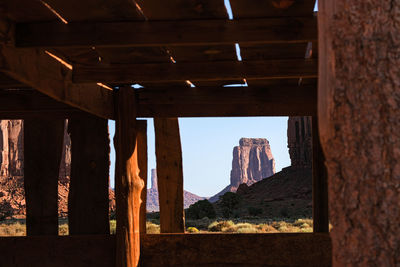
<point>43,141</point>
<point>141,138</point>
<point>128,183</point>
<point>200,71</point>
<point>38,70</point>
<point>227,101</point>
<point>29,103</point>
<point>169,175</point>
<point>320,183</point>
<point>88,200</point>
<point>160,250</point>
<point>161,33</point>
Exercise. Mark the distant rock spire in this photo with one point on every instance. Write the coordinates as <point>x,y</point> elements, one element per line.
<point>154,179</point>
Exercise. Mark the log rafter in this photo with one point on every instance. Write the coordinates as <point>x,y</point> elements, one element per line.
<point>160,33</point>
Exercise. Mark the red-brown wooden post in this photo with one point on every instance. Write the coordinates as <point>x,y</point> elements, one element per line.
<point>88,200</point>
<point>43,142</point>
<point>169,175</point>
<point>128,183</point>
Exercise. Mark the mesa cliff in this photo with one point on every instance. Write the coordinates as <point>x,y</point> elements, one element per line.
<point>252,161</point>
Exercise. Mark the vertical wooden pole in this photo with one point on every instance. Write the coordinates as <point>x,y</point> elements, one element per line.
<point>43,142</point>
<point>128,184</point>
<point>320,183</point>
<point>142,161</point>
<point>170,175</point>
<point>88,200</point>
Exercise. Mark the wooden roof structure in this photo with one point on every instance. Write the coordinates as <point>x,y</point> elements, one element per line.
<point>63,59</point>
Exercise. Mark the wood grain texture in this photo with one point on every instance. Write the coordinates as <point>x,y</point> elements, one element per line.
<point>88,200</point>
<point>163,33</point>
<point>359,111</point>
<point>141,138</point>
<point>160,250</point>
<point>199,71</point>
<point>320,183</point>
<point>20,104</point>
<point>227,101</point>
<point>43,142</point>
<point>128,183</point>
<point>169,175</point>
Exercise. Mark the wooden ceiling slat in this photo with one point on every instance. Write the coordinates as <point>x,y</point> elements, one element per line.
<point>26,11</point>
<point>201,71</point>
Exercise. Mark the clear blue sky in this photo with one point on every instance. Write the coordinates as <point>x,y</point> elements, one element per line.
<point>207,145</point>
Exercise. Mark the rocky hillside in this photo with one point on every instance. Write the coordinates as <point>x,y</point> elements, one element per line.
<point>152,195</point>
<point>252,161</point>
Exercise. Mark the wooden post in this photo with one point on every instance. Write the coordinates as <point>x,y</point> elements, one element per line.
<point>43,141</point>
<point>88,200</point>
<point>142,161</point>
<point>128,184</point>
<point>170,175</point>
<point>320,183</point>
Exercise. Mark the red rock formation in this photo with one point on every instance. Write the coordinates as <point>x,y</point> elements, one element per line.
<point>11,169</point>
<point>300,141</point>
<point>252,161</point>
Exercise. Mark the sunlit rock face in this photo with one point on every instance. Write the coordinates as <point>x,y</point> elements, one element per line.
<point>252,161</point>
<point>299,141</point>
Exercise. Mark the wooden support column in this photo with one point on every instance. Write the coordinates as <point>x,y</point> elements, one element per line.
<point>142,162</point>
<point>43,141</point>
<point>88,200</point>
<point>320,183</point>
<point>170,175</point>
<point>128,183</point>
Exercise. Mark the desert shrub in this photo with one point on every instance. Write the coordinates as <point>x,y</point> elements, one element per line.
<point>201,209</point>
<point>229,201</point>
<point>254,211</point>
<point>192,230</point>
<point>220,226</point>
<point>113,226</point>
<point>12,229</point>
<point>152,228</point>
<point>63,229</point>
<point>267,228</point>
<point>300,222</point>
<point>5,210</point>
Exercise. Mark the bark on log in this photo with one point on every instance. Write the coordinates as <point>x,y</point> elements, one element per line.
<point>128,184</point>
<point>359,111</point>
<point>169,175</point>
<point>88,200</point>
<point>43,139</point>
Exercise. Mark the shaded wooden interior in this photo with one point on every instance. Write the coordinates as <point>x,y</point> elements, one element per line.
<point>77,60</point>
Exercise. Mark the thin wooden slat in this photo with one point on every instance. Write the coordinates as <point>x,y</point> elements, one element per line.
<point>169,175</point>
<point>306,249</point>
<point>201,71</point>
<point>142,162</point>
<point>128,183</point>
<point>227,101</point>
<point>88,200</point>
<point>161,33</point>
<point>29,103</point>
<point>320,183</point>
<point>43,141</point>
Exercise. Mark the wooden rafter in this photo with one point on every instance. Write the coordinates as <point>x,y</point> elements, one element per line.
<point>36,69</point>
<point>196,71</point>
<point>160,33</point>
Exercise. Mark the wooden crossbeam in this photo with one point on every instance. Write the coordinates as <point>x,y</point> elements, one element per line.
<point>227,101</point>
<point>22,104</point>
<point>36,69</point>
<point>195,71</point>
<point>160,33</point>
<point>304,249</point>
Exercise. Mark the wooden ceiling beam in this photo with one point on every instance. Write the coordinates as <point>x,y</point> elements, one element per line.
<point>195,71</point>
<point>227,101</point>
<point>161,33</point>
